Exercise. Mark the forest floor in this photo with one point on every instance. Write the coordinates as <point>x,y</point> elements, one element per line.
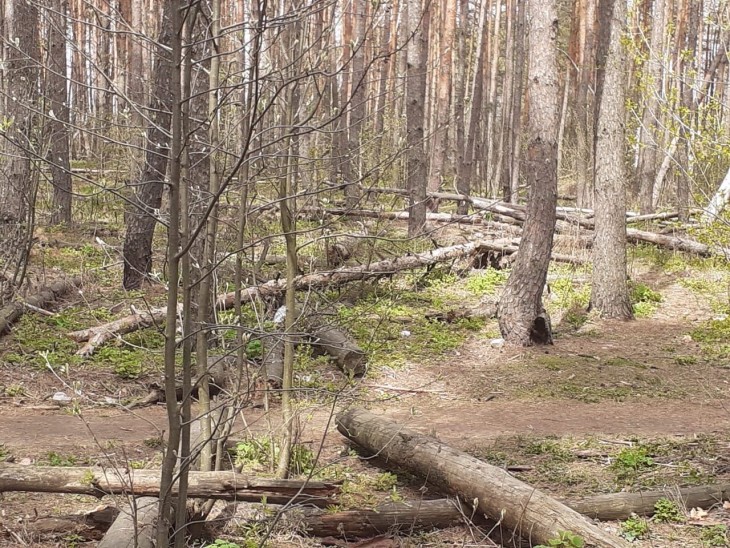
<point>649,399</point>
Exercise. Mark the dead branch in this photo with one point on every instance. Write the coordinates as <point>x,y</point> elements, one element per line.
<point>47,295</point>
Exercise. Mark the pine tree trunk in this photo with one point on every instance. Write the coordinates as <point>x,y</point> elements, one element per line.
<point>57,125</point>
<point>142,216</point>
<point>417,168</point>
<point>610,295</point>
<point>522,318</point>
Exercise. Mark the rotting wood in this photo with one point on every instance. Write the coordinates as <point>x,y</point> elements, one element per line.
<point>345,274</point>
<point>393,517</point>
<point>621,505</point>
<point>13,311</point>
<point>328,338</point>
<point>135,526</point>
<point>530,513</point>
<point>97,336</point>
<point>224,485</point>
<point>88,525</point>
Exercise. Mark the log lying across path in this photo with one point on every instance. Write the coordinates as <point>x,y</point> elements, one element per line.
<point>13,311</point>
<point>530,513</point>
<point>225,485</point>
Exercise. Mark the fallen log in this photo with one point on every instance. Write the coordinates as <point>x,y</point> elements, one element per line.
<point>87,525</point>
<point>96,336</point>
<point>97,482</point>
<point>135,526</point>
<point>345,274</point>
<point>527,511</point>
<point>327,338</point>
<point>390,517</point>
<point>273,357</point>
<point>13,311</point>
<point>622,505</point>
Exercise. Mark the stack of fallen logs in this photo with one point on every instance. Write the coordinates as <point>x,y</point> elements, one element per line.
<point>479,493</point>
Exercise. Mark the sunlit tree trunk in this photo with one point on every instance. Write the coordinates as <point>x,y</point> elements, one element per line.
<point>57,124</point>
<point>522,317</point>
<point>650,132</point>
<point>609,291</point>
<point>417,167</point>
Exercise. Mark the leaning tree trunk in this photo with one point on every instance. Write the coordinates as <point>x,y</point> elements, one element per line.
<point>143,215</point>
<point>522,317</point>
<point>610,293</point>
<point>17,189</point>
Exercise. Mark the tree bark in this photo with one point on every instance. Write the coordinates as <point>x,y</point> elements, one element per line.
<point>520,507</point>
<point>416,167</point>
<point>609,291</point>
<point>57,125</point>
<point>20,137</point>
<point>522,317</point>
<point>144,213</point>
<point>392,517</point>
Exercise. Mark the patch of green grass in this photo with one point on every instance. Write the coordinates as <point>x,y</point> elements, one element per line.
<point>259,454</point>
<point>685,360</point>
<point>14,390</point>
<point>486,282</point>
<point>385,481</point>
<point>631,461</point>
<point>548,447</point>
<point>644,300</point>
<point>634,528</point>
<point>57,459</point>
<point>4,453</point>
<point>565,539</point>
<point>715,535</point>
<point>667,511</point>
<point>565,295</point>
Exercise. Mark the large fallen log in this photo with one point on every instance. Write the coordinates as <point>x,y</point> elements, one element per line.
<point>317,280</point>
<point>527,511</point>
<point>345,274</point>
<point>390,517</point>
<point>327,338</point>
<point>622,505</point>
<point>135,526</point>
<point>97,482</point>
<point>13,311</point>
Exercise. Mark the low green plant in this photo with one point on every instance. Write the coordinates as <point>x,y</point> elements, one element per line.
<point>14,390</point>
<point>221,543</point>
<point>644,299</point>
<point>385,481</point>
<point>715,535</point>
<point>667,511</point>
<point>632,460</point>
<point>259,453</point>
<point>486,282</point>
<point>634,528</point>
<point>565,539</point>
<point>56,459</point>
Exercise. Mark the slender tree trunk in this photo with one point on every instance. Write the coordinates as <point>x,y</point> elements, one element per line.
<point>169,62</point>
<point>522,317</point>
<point>417,168</point>
<point>609,292</point>
<point>649,141</point>
<point>438,150</point>
<point>57,125</point>
<point>17,182</point>
<point>143,215</point>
